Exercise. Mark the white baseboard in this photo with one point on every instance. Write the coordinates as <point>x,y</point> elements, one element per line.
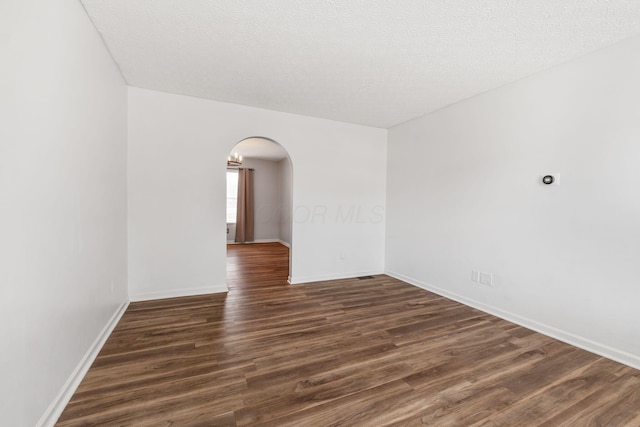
<point>174,293</point>
<point>265,241</point>
<point>564,336</point>
<point>283,243</point>
<point>53,412</point>
<point>321,278</point>
<point>233,242</point>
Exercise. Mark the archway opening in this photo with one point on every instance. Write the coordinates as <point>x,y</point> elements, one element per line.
<point>259,220</point>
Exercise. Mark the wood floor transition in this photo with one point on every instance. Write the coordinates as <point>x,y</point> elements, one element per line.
<point>372,352</point>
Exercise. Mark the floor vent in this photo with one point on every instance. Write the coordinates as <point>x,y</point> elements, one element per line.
<point>364,277</point>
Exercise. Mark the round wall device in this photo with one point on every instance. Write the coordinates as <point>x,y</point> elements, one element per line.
<point>548,179</point>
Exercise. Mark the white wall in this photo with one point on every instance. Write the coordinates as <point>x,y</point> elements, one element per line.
<point>285,183</point>
<point>266,185</point>
<point>62,201</point>
<point>464,194</point>
<point>178,147</point>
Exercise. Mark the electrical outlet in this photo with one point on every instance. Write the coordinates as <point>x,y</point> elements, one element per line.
<point>475,276</point>
<point>486,278</point>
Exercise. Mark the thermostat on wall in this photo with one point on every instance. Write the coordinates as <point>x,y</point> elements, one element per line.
<point>550,179</point>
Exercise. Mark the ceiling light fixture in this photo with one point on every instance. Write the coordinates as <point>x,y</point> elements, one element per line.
<point>235,160</point>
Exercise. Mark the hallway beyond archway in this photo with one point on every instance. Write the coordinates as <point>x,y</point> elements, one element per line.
<point>257,266</point>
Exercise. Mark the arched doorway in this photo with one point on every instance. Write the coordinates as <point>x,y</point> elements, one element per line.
<point>259,206</point>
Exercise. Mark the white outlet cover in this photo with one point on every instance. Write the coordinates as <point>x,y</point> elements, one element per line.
<point>486,278</point>
<point>475,276</point>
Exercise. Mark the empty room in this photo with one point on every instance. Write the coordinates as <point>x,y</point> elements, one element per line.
<point>320,213</point>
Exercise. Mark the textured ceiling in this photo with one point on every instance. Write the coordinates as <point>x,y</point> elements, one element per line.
<point>371,62</point>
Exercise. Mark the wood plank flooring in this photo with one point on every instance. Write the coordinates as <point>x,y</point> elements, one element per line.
<point>257,266</point>
<point>373,352</point>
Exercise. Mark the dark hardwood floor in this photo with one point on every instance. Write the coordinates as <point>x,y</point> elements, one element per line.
<point>257,266</point>
<point>373,352</point>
